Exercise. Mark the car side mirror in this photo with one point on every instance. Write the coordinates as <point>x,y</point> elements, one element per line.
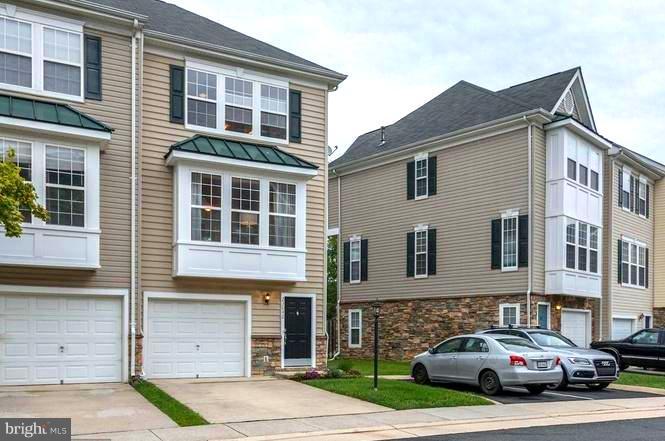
<point>430,350</point>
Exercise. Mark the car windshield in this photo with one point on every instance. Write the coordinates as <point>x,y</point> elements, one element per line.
<point>517,344</point>
<point>549,338</point>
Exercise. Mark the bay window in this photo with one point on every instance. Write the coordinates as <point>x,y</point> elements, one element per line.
<point>22,158</point>
<point>38,55</point>
<point>65,186</point>
<point>206,207</point>
<point>282,215</point>
<point>582,247</point>
<point>245,209</point>
<point>250,106</point>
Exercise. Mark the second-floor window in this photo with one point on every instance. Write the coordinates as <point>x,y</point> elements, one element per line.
<point>245,209</point>
<point>355,260</point>
<point>282,214</point>
<point>62,61</point>
<point>509,243</point>
<point>65,186</point>
<point>421,253</point>
<point>231,103</point>
<point>634,264</point>
<point>206,207</point>
<point>582,247</point>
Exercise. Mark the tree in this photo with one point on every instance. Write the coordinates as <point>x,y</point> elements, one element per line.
<point>16,194</point>
<point>332,277</point>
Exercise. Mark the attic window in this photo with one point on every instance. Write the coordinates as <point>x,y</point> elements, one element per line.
<point>568,104</point>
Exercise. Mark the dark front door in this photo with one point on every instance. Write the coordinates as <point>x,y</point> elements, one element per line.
<point>297,327</point>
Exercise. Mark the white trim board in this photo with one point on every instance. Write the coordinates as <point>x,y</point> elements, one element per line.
<point>246,298</point>
<point>313,325</point>
<point>89,292</point>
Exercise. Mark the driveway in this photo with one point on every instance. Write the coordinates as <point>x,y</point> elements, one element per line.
<point>251,399</point>
<point>93,408</point>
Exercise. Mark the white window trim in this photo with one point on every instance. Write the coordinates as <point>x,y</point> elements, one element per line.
<point>627,173</point>
<point>628,260</point>
<point>355,240</point>
<point>549,313</point>
<point>222,72</point>
<point>511,214</point>
<point>642,181</point>
<point>263,198</point>
<point>40,21</point>
<point>598,249</point>
<point>277,214</point>
<point>417,229</point>
<point>417,158</point>
<point>360,328</point>
<point>192,205</point>
<point>502,306</point>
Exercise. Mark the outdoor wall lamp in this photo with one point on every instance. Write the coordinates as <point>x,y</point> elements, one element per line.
<point>266,298</point>
<point>558,307</point>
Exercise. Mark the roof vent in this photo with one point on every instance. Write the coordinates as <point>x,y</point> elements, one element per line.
<point>383,136</point>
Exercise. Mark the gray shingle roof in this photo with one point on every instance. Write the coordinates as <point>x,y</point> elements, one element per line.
<point>542,92</point>
<point>461,106</point>
<point>171,19</point>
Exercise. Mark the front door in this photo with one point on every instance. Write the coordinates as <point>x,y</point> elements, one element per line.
<point>297,331</point>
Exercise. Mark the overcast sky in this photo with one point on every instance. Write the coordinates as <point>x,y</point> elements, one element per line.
<point>400,54</point>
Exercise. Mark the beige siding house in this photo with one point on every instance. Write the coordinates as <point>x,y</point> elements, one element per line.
<point>214,266</point>
<point>659,254</point>
<point>491,214</point>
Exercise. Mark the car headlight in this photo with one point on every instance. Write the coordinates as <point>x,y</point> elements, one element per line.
<point>580,361</point>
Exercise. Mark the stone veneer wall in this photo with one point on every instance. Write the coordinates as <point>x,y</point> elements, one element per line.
<point>271,347</point>
<point>408,327</point>
<point>659,317</point>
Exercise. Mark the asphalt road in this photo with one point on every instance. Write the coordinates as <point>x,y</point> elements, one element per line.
<point>634,430</point>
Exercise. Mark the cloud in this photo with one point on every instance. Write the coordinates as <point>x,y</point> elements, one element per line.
<point>400,54</point>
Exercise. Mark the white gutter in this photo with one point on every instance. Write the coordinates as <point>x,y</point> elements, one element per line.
<point>339,281</point>
<point>132,294</point>
<point>530,222</point>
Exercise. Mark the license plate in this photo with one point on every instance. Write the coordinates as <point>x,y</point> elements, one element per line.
<point>541,365</point>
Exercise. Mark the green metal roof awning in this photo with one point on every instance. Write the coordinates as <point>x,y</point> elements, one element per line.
<point>48,113</point>
<point>243,151</point>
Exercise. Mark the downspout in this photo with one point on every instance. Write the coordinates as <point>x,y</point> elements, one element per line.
<point>529,223</point>
<point>132,295</point>
<point>339,280</point>
<point>138,179</point>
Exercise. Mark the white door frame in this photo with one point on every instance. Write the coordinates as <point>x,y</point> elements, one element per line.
<point>84,292</point>
<point>313,324</point>
<point>588,320</point>
<point>245,298</point>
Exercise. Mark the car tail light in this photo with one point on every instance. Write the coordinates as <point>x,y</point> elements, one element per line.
<point>558,361</point>
<point>516,360</point>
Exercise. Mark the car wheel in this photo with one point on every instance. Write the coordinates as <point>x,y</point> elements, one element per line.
<point>490,383</point>
<point>420,375</point>
<point>597,386</point>
<point>563,385</point>
<point>536,389</point>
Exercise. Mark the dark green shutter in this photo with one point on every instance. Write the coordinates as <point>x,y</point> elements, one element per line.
<point>646,268</point>
<point>347,261</point>
<point>363,259</point>
<point>410,254</point>
<point>632,194</point>
<point>620,188</point>
<point>648,192</point>
<point>411,180</point>
<point>496,243</point>
<point>177,111</point>
<point>295,116</point>
<point>620,261</point>
<point>93,67</point>
<point>431,252</point>
<point>523,241</point>
<point>431,176</point>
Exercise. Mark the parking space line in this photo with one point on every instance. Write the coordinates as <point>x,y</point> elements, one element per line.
<point>568,395</point>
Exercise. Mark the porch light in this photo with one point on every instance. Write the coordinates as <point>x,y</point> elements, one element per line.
<point>266,298</point>
<point>558,307</point>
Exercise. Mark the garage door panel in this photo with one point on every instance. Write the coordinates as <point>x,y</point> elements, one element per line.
<point>195,338</point>
<point>60,338</point>
<point>575,326</point>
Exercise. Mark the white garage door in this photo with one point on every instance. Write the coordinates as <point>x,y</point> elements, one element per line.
<point>575,326</point>
<point>58,339</point>
<point>192,339</point>
<point>621,328</point>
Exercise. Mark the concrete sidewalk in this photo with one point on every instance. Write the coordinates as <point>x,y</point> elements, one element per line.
<point>408,423</point>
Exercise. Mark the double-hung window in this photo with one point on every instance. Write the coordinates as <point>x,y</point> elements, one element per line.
<point>282,215</point>
<point>625,177</point>
<point>509,314</point>
<point>22,158</point>
<point>642,198</point>
<point>206,215</point>
<point>273,111</point>
<point>15,52</point>
<point>238,109</point>
<point>421,253</point>
<point>572,169</point>
<point>582,245</point>
<point>593,249</point>
<point>509,243</point>
<point>584,175</point>
<point>62,61</point>
<point>65,186</point>
<point>201,98</point>
<point>633,264</point>
<point>354,259</point>
<point>421,177</point>
<point>245,209</point>
<point>355,328</point>
<point>571,235</point>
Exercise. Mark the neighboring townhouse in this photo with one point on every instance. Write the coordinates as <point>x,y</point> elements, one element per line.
<point>659,254</point>
<point>214,265</point>
<point>65,100</point>
<point>628,291</point>
<point>479,208</point>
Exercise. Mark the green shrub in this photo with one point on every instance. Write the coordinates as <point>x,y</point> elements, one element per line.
<point>334,373</point>
<point>353,373</point>
<point>345,365</point>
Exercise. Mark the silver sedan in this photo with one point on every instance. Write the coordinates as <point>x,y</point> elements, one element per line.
<point>488,361</point>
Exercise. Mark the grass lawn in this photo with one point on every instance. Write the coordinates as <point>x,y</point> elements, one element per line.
<point>366,366</point>
<point>178,412</point>
<point>399,395</point>
<point>646,380</point>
